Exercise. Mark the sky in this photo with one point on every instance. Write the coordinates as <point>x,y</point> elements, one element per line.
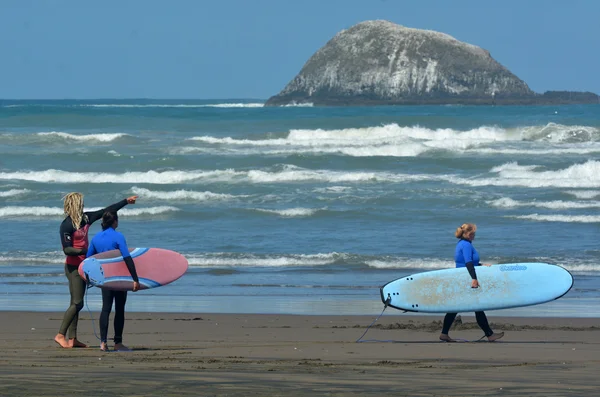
<point>213,49</point>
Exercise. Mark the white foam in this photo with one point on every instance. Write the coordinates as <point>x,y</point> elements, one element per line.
<point>287,174</point>
<point>553,132</point>
<point>411,141</point>
<point>21,211</point>
<point>405,263</point>
<point>182,195</point>
<point>333,189</point>
<point>165,177</point>
<point>89,137</point>
<point>590,148</point>
<point>249,260</point>
<point>507,202</point>
<point>291,212</point>
<point>33,258</point>
<point>584,194</point>
<point>14,192</point>
<point>583,175</point>
<point>560,218</point>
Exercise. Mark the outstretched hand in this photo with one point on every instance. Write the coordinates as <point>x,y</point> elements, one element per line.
<point>487,264</point>
<point>131,200</point>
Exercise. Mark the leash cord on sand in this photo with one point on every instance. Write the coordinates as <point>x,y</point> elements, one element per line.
<point>359,340</point>
<point>89,286</point>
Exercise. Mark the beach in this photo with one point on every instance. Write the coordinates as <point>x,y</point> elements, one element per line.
<point>275,355</point>
<point>291,220</point>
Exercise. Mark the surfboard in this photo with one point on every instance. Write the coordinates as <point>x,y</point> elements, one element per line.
<point>502,286</point>
<point>155,267</point>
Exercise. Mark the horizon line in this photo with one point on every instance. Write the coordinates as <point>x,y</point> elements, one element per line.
<point>132,99</point>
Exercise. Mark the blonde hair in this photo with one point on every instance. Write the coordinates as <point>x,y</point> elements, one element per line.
<point>74,208</point>
<point>466,231</point>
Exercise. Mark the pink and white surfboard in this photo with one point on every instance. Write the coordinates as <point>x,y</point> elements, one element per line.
<point>155,267</point>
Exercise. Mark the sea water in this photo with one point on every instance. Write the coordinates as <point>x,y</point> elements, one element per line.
<point>300,210</point>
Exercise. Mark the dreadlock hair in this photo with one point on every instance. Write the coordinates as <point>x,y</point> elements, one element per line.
<point>74,208</point>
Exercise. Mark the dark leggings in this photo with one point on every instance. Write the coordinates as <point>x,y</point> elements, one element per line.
<point>481,321</point>
<point>77,290</point>
<point>120,298</point>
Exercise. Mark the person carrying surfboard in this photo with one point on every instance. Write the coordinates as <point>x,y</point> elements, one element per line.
<point>465,255</point>
<point>74,238</point>
<point>109,239</point>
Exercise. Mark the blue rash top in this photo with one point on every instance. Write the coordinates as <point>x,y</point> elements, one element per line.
<point>107,240</point>
<point>465,253</point>
<point>110,239</point>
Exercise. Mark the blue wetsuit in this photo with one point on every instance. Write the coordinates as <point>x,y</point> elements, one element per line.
<point>465,255</point>
<point>107,240</point>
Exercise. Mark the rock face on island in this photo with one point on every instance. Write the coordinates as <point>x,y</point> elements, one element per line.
<point>379,62</point>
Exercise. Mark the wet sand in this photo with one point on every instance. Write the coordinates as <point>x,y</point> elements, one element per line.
<point>277,355</point>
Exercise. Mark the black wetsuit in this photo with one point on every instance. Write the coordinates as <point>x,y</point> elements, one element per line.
<point>107,240</point>
<point>75,246</point>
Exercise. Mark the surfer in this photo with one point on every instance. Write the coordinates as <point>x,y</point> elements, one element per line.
<point>465,255</point>
<point>74,238</point>
<point>109,239</point>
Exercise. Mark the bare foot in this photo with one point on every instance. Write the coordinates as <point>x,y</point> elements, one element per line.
<point>446,338</point>
<point>495,336</point>
<point>75,343</point>
<point>62,341</point>
<point>119,347</point>
<point>104,347</point>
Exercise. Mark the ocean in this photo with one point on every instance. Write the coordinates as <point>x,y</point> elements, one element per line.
<point>300,210</point>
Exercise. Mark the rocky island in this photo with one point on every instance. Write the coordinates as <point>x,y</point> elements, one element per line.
<point>382,63</point>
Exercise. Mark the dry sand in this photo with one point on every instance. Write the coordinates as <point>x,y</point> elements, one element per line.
<point>280,355</point>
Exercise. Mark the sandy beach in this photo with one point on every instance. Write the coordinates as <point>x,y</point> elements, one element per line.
<point>264,355</point>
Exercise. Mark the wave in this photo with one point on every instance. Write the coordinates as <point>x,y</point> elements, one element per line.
<point>583,175</point>
<point>183,195</point>
<point>165,177</point>
<point>560,218</point>
<point>410,141</point>
<point>33,258</point>
<point>559,133</point>
<point>222,263</point>
<point>506,202</point>
<point>254,260</point>
<point>20,211</point>
<point>292,212</point>
<point>287,173</point>
<point>405,263</point>
<point>14,192</point>
<point>90,137</point>
<point>584,194</point>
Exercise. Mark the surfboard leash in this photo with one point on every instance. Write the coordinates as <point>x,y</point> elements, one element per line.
<point>89,286</point>
<point>385,305</point>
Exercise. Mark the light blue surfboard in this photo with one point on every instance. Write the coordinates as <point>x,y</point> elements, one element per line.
<point>501,287</point>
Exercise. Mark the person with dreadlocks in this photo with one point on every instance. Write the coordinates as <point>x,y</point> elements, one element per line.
<point>74,237</point>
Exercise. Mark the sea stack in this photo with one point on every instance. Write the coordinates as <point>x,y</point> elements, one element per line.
<point>382,63</point>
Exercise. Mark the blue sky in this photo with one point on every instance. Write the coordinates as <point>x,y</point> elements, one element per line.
<point>252,48</point>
